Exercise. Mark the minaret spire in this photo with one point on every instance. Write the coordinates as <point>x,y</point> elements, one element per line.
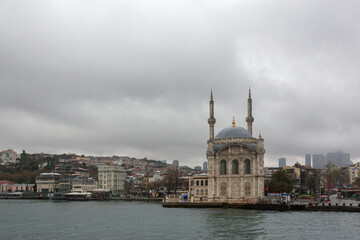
<point>249,118</point>
<point>211,119</point>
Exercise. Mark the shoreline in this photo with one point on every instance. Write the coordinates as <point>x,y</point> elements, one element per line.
<point>267,207</point>
<point>326,207</point>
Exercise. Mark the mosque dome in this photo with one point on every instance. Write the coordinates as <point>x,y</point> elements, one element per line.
<point>233,132</point>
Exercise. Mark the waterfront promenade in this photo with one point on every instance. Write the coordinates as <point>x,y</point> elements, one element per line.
<point>335,204</point>
<point>329,207</point>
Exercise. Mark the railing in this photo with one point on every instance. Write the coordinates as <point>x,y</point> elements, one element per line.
<point>175,198</point>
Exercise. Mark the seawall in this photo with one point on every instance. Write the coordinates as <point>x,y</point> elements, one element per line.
<point>266,206</point>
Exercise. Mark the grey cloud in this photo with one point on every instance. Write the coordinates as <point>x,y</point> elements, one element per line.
<point>133,78</point>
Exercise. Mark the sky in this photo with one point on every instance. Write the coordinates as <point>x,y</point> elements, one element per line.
<point>133,78</point>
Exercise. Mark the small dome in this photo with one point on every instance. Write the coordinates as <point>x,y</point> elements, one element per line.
<point>233,132</point>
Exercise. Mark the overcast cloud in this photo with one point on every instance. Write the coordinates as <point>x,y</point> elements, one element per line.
<point>134,77</point>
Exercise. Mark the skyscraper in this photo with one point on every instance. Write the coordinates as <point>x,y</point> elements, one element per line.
<point>319,161</point>
<point>282,162</point>
<point>308,160</point>
<point>176,163</point>
<point>205,167</point>
<point>340,159</point>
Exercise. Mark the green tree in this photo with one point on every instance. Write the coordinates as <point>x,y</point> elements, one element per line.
<point>28,162</point>
<point>51,161</point>
<point>21,176</point>
<point>280,182</point>
<point>340,177</point>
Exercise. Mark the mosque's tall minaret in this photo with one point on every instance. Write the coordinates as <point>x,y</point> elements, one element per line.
<point>249,118</point>
<point>211,119</point>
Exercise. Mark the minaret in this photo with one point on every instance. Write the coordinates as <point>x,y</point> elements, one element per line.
<point>249,118</point>
<point>211,119</point>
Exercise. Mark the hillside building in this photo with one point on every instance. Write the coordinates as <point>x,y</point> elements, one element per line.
<point>112,178</point>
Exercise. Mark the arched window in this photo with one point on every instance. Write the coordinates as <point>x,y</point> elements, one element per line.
<point>197,183</point>
<point>247,166</point>
<point>235,167</point>
<point>222,167</point>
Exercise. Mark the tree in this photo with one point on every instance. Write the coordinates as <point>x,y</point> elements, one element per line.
<point>172,180</point>
<point>328,176</point>
<point>340,177</point>
<point>335,176</point>
<point>51,162</point>
<point>311,181</point>
<point>280,182</point>
<point>28,162</point>
<point>357,181</point>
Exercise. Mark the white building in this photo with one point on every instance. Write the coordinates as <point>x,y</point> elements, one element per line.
<point>157,177</point>
<point>83,185</point>
<point>8,157</point>
<point>111,178</point>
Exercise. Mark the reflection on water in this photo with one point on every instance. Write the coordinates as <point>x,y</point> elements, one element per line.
<point>235,223</point>
<point>33,219</point>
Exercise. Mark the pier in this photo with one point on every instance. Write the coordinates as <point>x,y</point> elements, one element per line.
<point>268,206</point>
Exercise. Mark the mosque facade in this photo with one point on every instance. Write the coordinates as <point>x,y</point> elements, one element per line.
<point>235,162</point>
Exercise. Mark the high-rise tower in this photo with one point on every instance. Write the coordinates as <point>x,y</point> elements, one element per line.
<point>211,119</point>
<point>249,118</point>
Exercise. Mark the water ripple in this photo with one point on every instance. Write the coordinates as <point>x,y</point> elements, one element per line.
<point>28,219</point>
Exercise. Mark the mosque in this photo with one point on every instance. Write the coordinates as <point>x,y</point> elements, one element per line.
<point>235,164</point>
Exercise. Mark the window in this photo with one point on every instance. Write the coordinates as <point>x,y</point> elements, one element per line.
<point>197,183</point>
<point>235,167</point>
<point>206,182</point>
<point>222,167</point>
<point>192,183</point>
<point>247,189</point>
<point>223,187</point>
<point>202,182</point>
<point>247,169</point>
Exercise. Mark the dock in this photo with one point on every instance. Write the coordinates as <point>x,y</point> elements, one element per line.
<point>267,206</point>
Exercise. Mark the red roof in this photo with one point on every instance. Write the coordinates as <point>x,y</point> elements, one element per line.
<point>6,182</point>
